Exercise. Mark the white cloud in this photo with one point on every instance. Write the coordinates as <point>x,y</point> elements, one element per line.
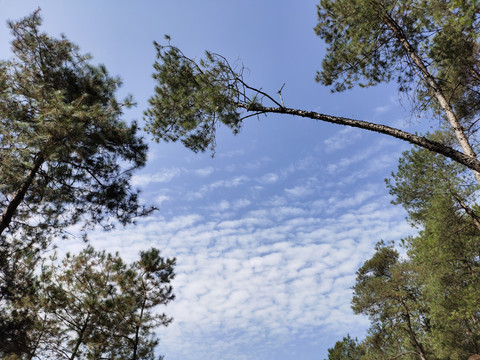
<point>273,273</point>
<point>230,154</point>
<point>241,203</point>
<point>374,156</point>
<point>299,191</point>
<point>269,178</point>
<point>204,172</point>
<point>381,109</point>
<point>268,257</point>
<point>223,205</point>
<point>335,203</point>
<point>377,164</point>
<point>165,175</point>
<point>257,163</point>
<point>231,183</point>
<point>342,139</point>
<point>161,199</point>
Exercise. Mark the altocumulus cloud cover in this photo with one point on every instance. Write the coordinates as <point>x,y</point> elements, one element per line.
<point>262,268</point>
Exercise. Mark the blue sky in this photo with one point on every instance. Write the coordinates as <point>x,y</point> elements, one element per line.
<point>268,234</point>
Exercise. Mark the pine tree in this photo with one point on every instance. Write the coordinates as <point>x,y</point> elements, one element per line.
<point>97,307</point>
<point>445,253</point>
<point>426,306</point>
<point>429,47</point>
<point>66,158</point>
<point>347,349</point>
<point>388,291</point>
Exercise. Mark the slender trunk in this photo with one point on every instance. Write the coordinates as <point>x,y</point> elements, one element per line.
<point>471,162</point>
<point>137,330</point>
<point>418,346</point>
<point>80,338</point>
<point>33,352</point>
<point>435,88</point>
<point>468,210</point>
<point>20,195</point>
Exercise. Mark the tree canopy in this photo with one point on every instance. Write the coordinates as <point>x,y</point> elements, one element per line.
<point>428,46</point>
<point>94,306</point>
<point>391,41</point>
<point>67,158</point>
<point>62,138</point>
<point>425,305</point>
<point>347,349</point>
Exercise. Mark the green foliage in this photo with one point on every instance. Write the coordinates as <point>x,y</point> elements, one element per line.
<point>445,253</point>
<point>361,49</point>
<point>60,122</point>
<point>423,176</point>
<point>18,302</point>
<point>66,158</point>
<point>454,54</point>
<point>95,306</point>
<point>363,46</point>
<point>368,40</point>
<point>192,99</point>
<point>426,306</point>
<point>388,291</point>
<point>347,349</point>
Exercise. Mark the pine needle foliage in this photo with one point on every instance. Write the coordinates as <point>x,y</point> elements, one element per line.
<point>66,158</point>
<point>192,99</point>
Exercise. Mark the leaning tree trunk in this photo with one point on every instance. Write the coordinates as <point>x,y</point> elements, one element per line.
<point>432,84</point>
<point>469,161</point>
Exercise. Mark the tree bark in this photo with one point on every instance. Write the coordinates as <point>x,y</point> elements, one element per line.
<point>469,161</point>
<point>20,195</point>
<point>139,323</point>
<point>432,84</point>
<point>413,338</point>
<point>80,337</point>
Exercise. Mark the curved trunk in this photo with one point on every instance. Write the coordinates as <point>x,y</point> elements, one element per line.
<point>469,161</point>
